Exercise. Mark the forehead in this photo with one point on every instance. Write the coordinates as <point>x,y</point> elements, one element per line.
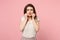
<point>29,7</point>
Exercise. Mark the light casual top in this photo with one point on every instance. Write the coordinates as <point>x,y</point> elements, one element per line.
<point>29,30</point>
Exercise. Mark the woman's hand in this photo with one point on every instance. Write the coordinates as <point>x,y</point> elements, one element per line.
<point>26,16</point>
<point>33,15</point>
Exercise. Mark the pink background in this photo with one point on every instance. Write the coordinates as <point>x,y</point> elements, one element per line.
<point>47,10</point>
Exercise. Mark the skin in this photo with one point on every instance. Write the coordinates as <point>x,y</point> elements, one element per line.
<point>28,17</point>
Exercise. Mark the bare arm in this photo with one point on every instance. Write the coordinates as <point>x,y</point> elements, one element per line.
<point>22,24</point>
<point>35,22</point>
<point>36,25</point>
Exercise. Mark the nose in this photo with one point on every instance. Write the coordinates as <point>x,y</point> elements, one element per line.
<point>29,11</point>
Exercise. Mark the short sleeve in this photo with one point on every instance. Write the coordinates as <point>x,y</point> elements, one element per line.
<point>23,18</point>
<point>38,19</point>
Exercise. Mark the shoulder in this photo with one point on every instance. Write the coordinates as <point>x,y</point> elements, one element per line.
<point>38,19</point>
<point>22,18</point>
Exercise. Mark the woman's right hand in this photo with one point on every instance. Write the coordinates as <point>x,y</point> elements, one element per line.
<point>25,15</point>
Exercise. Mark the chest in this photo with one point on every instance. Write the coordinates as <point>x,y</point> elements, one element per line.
<point>29,26</point>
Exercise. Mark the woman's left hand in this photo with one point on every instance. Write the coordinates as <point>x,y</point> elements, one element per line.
<point>33,15</point>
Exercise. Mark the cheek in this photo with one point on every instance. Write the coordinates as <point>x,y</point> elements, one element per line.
<point>27,11</point>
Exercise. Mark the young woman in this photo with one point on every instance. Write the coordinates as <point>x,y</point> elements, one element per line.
<point>29,24</point>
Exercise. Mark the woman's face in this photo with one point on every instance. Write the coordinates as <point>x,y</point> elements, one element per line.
<point>29,11</point>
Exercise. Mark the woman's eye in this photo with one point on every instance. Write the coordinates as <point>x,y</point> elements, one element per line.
<point>27,9</point>
<point>31,9</point>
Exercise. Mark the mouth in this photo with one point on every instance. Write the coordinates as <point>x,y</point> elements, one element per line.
<point>29,15</point>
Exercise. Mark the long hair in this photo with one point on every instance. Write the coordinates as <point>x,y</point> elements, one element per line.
<point>34,11</point>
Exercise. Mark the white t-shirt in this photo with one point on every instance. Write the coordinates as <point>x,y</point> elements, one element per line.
<point>29,30</point>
